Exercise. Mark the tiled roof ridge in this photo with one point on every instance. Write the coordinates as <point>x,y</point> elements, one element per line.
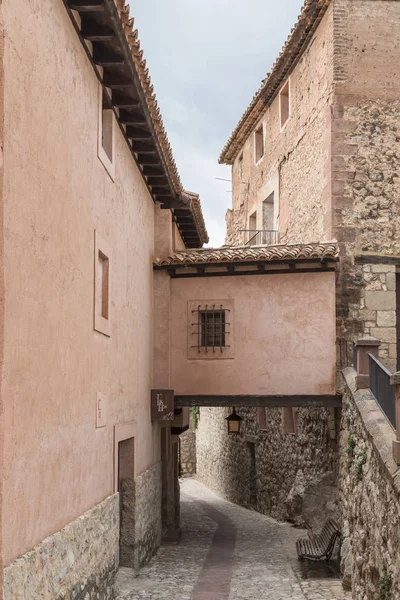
<point>311,13</point>
<point>142,70</point>
<point>314,250</point>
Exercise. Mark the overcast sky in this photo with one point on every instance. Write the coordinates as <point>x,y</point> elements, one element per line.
<point>207,59</point>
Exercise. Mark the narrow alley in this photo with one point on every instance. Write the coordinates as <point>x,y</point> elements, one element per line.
<point>226,553</point>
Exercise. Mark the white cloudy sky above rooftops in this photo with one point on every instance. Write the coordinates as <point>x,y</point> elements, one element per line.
<point>207,58</point>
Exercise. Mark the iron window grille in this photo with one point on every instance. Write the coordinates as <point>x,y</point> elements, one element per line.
<point>211,328</point>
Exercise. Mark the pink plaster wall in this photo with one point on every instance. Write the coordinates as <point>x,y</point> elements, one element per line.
<point>284,335</point>
<point>1,289</point>
<point>57,464</point>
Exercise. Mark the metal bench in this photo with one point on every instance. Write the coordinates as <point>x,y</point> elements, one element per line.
<point>322,546</point>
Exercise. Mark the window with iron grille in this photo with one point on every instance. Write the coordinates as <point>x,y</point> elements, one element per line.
<point>211,328</point>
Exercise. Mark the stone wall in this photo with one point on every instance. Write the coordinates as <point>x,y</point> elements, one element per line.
<point>296,161</point>
<point>188,451</point>
<point>369,494</point>
<point>365,157</point>
<point>148,526</point>
<point>77,563</point>
<point>265,470</point>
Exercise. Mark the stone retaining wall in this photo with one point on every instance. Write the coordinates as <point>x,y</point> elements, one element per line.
<point>148,513</point>
<point>369,493</point>
<point>77,563</point>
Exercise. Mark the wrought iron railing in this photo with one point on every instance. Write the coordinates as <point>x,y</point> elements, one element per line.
<point>382,390</point>
<point>258,237</point>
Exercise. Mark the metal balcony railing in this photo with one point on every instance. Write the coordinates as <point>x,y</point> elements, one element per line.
<point>382,390</point>
<point>258,237</point>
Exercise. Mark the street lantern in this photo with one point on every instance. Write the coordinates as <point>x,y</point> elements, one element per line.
<point>234,422</point>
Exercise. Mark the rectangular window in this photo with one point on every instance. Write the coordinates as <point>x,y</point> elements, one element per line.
<point>262,417</point>
<point>102,287</point>
<point>210,331</point>
<point>240,166</point>
<point>284,103</point>
<point>106,137</point>
<point>212,327</point>
<point>289,420</point>
<point>259,143</point>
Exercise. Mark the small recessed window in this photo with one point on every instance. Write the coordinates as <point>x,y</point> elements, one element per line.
<point>240,165</point>
<point>289,420</point>
<point>262,417</point>
<point>259,143</point>
<point>284,103</point>
<point>212,328</point>
<point>106,142</point>
<point>102,287</point>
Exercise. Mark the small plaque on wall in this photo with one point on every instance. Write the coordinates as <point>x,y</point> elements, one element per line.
<point>162,405</point>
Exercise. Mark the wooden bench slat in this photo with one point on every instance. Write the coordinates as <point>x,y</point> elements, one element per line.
<point>322,546</point>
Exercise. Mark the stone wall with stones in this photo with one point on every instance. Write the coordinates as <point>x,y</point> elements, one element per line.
<point>370,497</point>
<point>365,158</point>
<point>187,456</point>
<point>296,161</point>
<point>148,526</point>
<point>286,476</point>
<point>77,563</point>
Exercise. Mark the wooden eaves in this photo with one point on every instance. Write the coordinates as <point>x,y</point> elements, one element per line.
<point>104,38</point>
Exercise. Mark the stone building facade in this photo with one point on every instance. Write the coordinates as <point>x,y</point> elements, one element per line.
<point>315,158</point>
<point>89,193</point>
<point>330,170</point>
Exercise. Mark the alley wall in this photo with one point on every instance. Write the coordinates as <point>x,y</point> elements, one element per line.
<point>60,469</point>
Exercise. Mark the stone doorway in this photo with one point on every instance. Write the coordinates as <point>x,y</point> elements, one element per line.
<point>126,488</point>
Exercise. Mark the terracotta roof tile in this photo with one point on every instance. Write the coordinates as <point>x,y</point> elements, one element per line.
<point>132,37</point>
<point>309,19</point>
<point>243,254</point>
<point>193,201</point>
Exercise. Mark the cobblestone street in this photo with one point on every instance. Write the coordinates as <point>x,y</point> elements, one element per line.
<point>226,553</point>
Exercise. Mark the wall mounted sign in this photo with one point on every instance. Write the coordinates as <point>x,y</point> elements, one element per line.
<point>162,405</point>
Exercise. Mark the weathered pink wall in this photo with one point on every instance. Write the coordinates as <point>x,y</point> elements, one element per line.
<point>57,465</point>
<point>1,288</point>
<point>284,335</point>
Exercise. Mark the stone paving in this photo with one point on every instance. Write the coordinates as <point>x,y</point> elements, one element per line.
<point>227,553</point>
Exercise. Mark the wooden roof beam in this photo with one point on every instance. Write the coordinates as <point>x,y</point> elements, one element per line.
<point>86,5</point>
<point>132,118</point>
<point>143,147</point>
<point>123,101</point>
<point>116,82</point>
<point>106,58</point>
<point>96,33</point>
<point>138,134</point>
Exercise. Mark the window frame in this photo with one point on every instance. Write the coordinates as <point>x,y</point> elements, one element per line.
<point>102,324</point>
<point>109,164</point>
<point>256,133</point>
<point>285,86</point>
<point>198,352</point>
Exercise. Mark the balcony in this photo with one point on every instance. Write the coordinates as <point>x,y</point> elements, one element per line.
<point>259,237</point>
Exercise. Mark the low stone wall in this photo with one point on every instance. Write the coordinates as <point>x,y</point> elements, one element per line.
<point>286,476</point>
<point>369,494</point>
<point>77,563</point>
<point>148,513</point>
<point>188,451</point>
